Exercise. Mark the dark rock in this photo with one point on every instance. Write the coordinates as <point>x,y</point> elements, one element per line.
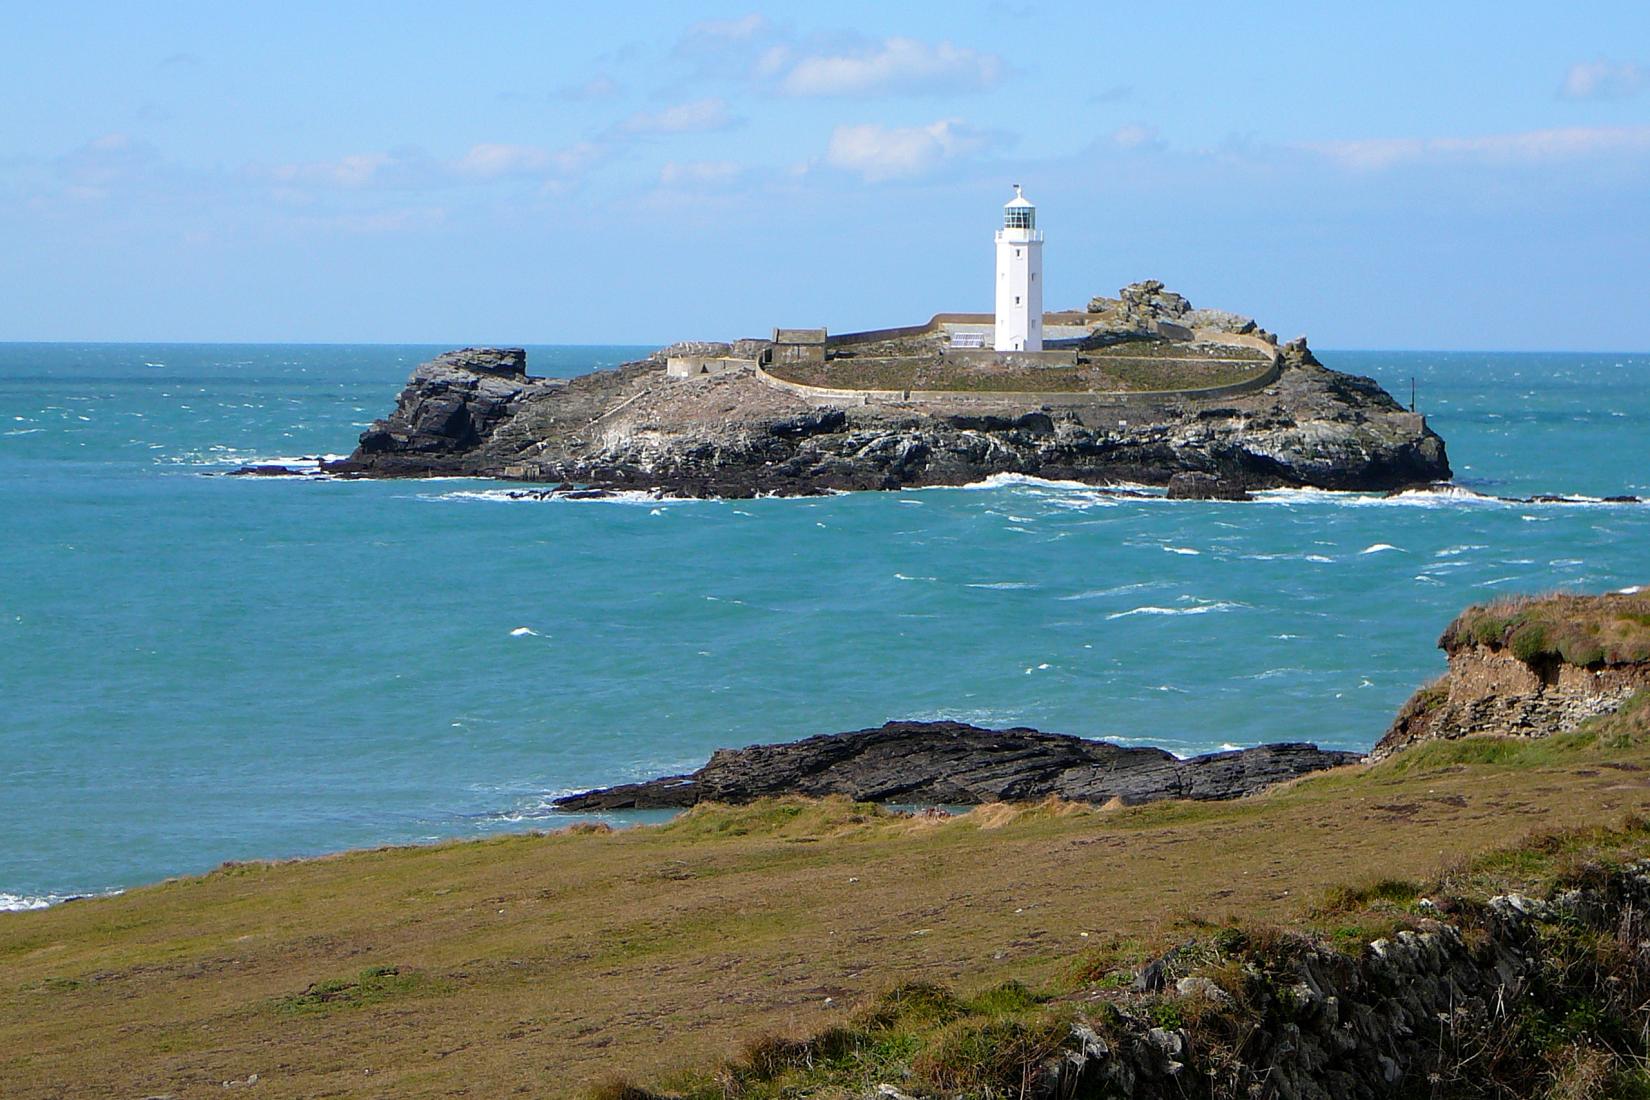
<point>1192,485</point>
<point>957,764</point>
<point>270,470</point>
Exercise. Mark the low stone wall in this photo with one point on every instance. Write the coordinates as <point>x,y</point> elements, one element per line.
<point>1085,399</point>
<point>690,366</point>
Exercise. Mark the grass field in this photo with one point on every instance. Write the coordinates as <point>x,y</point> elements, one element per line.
<point>1121,369</point>
<point>535,964</point>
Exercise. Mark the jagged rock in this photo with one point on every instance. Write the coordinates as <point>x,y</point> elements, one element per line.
<point>1220,320</point>
<point>959,764</point>
<point>1193,485</point>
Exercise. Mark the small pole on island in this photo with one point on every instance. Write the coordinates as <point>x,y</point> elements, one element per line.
<point>1412,393</point>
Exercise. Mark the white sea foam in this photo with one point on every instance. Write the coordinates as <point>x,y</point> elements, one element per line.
<point>1096,593</point>
<point>1318,558</point>
<point>903,577</point>
<point>514,496</point>
<point>1182,550</point>
<point>1200,609</point>
<point>1631,590</point>
<point>20,903</point>
<point>1381,547</point>
<point>525,632</point>
<point>1004,586</point>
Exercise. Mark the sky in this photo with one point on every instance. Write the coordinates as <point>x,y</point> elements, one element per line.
<point>1435,175</point>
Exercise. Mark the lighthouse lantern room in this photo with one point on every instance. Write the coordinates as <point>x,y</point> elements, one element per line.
<point>1019,278</point>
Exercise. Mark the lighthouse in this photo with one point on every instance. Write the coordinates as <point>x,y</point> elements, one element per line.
<point>1019,278</point>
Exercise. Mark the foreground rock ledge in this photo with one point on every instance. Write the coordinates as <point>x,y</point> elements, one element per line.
<point>952,763</point>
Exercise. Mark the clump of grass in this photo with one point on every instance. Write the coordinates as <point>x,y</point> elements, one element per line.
<point>791,816</point>
<point>1586,631</point>
<point>1351,898</point>
<point>620,1088</point>
<point>995,1055</point>
<point>370,986</point>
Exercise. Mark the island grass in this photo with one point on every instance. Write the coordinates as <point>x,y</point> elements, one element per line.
<point>543,964</point>
<point>1111,372</point>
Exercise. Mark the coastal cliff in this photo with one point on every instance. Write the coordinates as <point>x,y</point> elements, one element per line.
<point>1533,667</point>
<point>476,412</point>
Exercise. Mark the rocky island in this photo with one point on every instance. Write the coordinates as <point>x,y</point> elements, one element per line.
<point>1139,388</point>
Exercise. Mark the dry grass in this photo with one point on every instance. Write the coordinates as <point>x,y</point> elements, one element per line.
<point>1113,371</point>
<point>541,965</point>
<point>1579,630</point>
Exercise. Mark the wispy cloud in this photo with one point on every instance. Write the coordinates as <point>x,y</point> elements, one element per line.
<point>412,169</point>
<point>695,117</point>
<point>891,66</point>
<point>698,173</point>
<point>883,153</point>
<point>600,86</point>
<point>1531,146</point>
<point>1603,79</point>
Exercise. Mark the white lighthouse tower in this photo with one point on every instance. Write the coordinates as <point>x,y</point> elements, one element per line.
<point>1019,278</point>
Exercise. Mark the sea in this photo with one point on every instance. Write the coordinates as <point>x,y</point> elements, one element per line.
<point>197,668</point>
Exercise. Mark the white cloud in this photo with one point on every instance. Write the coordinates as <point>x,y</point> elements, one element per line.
<point>490,160</point>
<point>893,65</point>
<point>1134,136</point>
<point>695,117</point>
<point>1372,154</point>
<point>742,29</point>
<point>697,173</point>
<point>414,170</point>
<point>600,86</point>
<point>882,153</point>
<point>1604,80</point>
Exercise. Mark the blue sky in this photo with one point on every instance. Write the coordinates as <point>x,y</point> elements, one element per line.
<point>1469,175</point>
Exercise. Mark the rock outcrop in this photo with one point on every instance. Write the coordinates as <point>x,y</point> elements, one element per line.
<point>475,413</point>
<point>953,763</point>
<point>1531,667</point>
<point>450,407</point>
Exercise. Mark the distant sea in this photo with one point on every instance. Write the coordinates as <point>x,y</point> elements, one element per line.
<point>197,668</point>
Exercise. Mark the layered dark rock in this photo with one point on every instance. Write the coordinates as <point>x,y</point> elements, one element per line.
<point>953,763</point>
<point>475,412</point>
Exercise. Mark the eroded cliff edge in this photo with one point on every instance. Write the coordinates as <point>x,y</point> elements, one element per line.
<point>1534,667</point>
<point>477,412</point>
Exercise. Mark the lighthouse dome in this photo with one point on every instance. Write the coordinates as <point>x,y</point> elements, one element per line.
<point>1018,212</point>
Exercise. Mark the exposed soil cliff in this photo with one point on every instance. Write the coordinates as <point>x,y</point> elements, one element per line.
<point>734,435</point>
<point>1531,667</point>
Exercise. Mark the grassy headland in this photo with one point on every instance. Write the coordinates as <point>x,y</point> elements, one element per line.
<point>1579,630</point>
<point>538,964</point>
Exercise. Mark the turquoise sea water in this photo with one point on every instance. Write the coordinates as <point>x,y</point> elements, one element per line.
<point>196,668</point>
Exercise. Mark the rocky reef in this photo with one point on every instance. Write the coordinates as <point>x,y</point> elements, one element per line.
<point>477,412</point>
<point>958,764</point>
<point>1532,667</point>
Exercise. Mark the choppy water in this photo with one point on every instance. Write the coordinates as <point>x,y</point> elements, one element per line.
<point>196,668</point>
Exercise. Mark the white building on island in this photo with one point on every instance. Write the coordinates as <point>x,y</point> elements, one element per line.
<point>1019,322</point>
